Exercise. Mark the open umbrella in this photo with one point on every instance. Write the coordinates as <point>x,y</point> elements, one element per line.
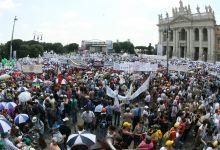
<point>48,83</point>
<point>21,118</point>
<point>4,77</point>
<point>2,105</point>
<point>82,138</point>
<point>63,82</point>
<point>24,96</point>
<point>4,126</point>
<point>22,89</point>
<point>2,117</point>
<point>10,105</point>
<point>98,108</point>
<point>36,80</point>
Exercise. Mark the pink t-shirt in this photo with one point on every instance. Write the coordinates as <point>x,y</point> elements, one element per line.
<point>145,146</point>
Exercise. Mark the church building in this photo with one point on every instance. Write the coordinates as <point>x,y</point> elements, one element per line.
<point>190,35</point>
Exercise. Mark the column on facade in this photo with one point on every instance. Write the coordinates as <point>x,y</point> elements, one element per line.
<point>177,43</point>
<point>200,44</point>
<point>212,49</point>
<point>160,36</point>
<point>209,43</point>
<point>174,42</point>
<point>191,48</point>
<point>188,44</point>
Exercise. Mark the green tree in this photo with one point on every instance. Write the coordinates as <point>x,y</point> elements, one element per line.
<point>116,47</point>
<point>125,46</point>
<point>73,47</point>
<point>35,50</point>
<point>58,48</point>
<point>23,51</point>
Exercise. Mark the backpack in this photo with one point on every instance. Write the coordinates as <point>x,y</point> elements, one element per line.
<point>103,124</point>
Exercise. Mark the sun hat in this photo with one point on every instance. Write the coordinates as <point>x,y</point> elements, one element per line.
<point>65,119</point>
<point>169,143</point>
<point>55,126</point>
<point>126,124</point>
<point>215,143</point>
<point>146,107</point>
<point>34,119</point>
<point>176,125</point>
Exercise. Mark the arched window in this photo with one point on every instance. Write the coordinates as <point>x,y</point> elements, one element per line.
<point>205,34</point>
<point>183,34</point>
<point>196,33</point>
<point>171,35</point>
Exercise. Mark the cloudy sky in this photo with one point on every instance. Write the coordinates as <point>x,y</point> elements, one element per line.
<point>68,21</point>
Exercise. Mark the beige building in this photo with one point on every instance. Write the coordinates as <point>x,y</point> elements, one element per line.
<point>190,35</point>
<point>217,42</point>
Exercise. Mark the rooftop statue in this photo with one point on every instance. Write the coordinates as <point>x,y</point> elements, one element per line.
<point>167,15</point>
<point>181,4</point>
<point>198,10</point>
<point>174,13</point>
<point>206,9</point>
<point>210,9</point>
<point>189,9</point>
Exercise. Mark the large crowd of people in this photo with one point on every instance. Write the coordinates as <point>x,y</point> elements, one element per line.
<point>177,111</point>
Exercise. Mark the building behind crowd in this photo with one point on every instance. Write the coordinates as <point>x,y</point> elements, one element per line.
<point>190,35</point>
<point>97,46</point>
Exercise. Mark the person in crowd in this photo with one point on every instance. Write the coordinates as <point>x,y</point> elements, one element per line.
<point>54,144</point>
<point>146,144</point>
<point>57,134</point>
<point>168,145</point>
<point>136,116</point>
<point>138,132</point>
<point>74,112</point>
<point>88,117</point>
<point>65,129</point>
<point>127,134</point>
<point>7,143</point>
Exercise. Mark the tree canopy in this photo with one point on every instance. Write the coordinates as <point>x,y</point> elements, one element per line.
<point>124,47</point>
<point>149,50</point>
<point>34,48</point>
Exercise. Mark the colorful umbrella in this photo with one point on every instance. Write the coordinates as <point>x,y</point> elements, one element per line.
<point>2,105</point>
<point>48,83</point>
<point>24,96</point>
<point>21,118</point>
<point>82,138</point>
<point>4,126</point>
<point>10,105</point>
<point>36,80</point>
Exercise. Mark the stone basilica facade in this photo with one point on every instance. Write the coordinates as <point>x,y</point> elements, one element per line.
<point>188,35</point>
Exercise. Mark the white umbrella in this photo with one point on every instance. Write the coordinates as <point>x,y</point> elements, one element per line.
<point>82,138</point>
<point>10,105</point>
<point>36,80</point>
<point>24,96</point>
<point>4,126</point>
<point>4,77</point>
<point>21,118</point>
<point>48,83</point>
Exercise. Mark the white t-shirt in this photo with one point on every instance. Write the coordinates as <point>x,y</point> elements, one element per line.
<point>88,116</point>
<point>163,148</point>
<point>148,98</point>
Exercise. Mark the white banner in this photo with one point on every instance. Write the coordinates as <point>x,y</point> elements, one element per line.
<point>143,88</point>
<point>32,68</point>
<point>135,66</point>
<point>183,68</point>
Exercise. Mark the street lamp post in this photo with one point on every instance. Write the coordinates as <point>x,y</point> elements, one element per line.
<point>11,54</point>
<point>167,49</point>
